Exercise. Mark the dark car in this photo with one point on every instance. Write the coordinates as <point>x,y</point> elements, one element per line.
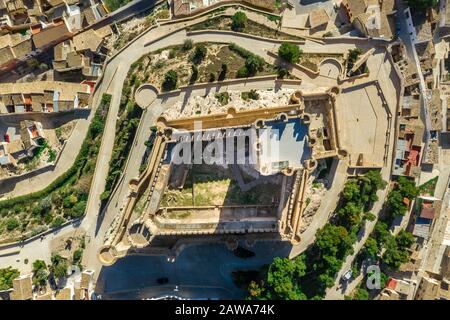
<point>162,280</point>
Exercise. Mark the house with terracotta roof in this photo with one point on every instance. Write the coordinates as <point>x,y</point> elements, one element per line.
<point>43,96</point>
<point>396,289</point>
<point>426,209</point>
<point>408,150</point>
<point>45,37</point>
<point>31,137</point>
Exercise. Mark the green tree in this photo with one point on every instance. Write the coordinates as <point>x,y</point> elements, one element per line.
<point>39,265</point>
<point>282,276</point>
<point>7,275</point>
<point>395,203</point>
<point>239,21</point>
<point>289,52</point>
<point>77,255</point>
<point>422,4</point>
<point>361,294</point>
<point>199,54</point>
<point>242,72</point>
<point>12,223</point>
<point>333,240</point>
<point>194,74</point>
<point>351,190</point>
<point>371,247</point>
<point>40,277</point>
<point>59,266</point>
<point>254,64</point>
<point>223,72</point>
<point>282,73</point>
<point>78,209</point>
<point>170,80</point>
<point>404,239</point>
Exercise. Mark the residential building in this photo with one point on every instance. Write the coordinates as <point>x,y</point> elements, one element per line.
<point>43,96</point>
<point>396,289</point>
<point>82,55</point>
<point>182,8</point>
<point>13,49</point>
<point>408,149</point>
<point>432,287</point>
<point>372,18</point>
<point>22,288</point>
<point>45,37</point>
<point>318,20</point>
<point>31,135</point>
<point>426,210</point>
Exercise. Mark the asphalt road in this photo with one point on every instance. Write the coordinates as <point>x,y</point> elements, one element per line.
<point>131,9</point>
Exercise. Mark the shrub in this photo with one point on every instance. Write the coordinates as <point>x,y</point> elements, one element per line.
<point>194,74</point>
<point>59,266</point>
<point>361,294</point>
<point>77,255</point>
<point>289,52</point>
<point>188,44</point>
<point>199,54</point>
<point>239,21</point>
<point>212,77</point>
<point>223,72</point>
<point>12,223</point>
<point>170,80</point>
<point>105,195</point>
<point>250,95</point>
<point>7,275</point>
<point>282,73</point>
<point>254,64</point>
<point>70,201</point>
<point>222,97</point>
<point>78,209</point>
<point>242,72</point>
<point>57,222</point>
<point>172,53</point>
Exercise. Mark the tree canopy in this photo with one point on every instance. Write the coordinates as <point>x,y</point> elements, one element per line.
<point>239,21</point>
<point>289,52</point>
<point>170,80</point>
<point>422,4</point>
<point>7,275</point>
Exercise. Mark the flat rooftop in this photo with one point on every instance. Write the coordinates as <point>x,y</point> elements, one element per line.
<point>285,144</point>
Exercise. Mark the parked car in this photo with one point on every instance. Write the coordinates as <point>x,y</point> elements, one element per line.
<point>347,275</point>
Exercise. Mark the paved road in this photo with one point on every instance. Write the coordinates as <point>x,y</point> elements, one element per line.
<point>130,9</point>
<point>406,34</point>
<point>326,208</point>
<point>14,188</point>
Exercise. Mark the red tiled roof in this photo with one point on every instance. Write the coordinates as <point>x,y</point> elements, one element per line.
<point>413,157</point>
<point>392,283</point>
<point>427,213</point>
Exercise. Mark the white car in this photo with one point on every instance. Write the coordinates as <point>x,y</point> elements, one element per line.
<point>347,275</point>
